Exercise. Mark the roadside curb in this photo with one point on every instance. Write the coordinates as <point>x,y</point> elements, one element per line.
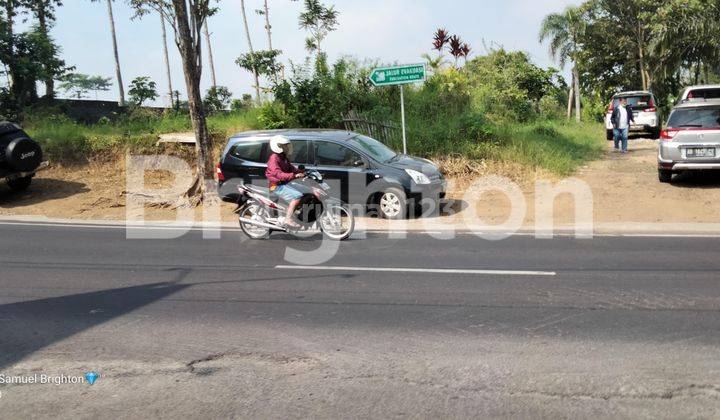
<point>397,228</point>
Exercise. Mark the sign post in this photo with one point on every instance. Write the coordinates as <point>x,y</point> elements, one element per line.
<point>399,75</point>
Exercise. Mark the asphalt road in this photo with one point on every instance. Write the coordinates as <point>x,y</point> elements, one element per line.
<point>416,327</point>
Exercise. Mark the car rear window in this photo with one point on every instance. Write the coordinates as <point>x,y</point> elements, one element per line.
<point>701,117</point>
<point>643,101</point>
<point>251,151</point>
<point>713,93</point>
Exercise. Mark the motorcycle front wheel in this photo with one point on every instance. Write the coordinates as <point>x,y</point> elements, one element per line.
<point>257,213</point>
<point>337,222</point>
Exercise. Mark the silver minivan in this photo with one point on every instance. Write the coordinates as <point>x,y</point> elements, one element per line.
<point>645,111</point>
<point>691,140</point>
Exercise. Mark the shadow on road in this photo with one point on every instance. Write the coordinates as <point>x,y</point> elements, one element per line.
<point>697,179</point>
<point>41,189</point>
<point>26,327</point>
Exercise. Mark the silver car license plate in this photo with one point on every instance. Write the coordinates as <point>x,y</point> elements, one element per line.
<point>700,152</point>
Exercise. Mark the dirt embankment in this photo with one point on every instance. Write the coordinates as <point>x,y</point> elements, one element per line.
<point>625,189</point>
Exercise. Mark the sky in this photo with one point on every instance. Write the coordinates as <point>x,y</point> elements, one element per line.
<point>389,31</point>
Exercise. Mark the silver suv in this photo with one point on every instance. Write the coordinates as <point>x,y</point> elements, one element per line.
<point>700,92</point>
<point>691,140</point>
<point>645,111</point>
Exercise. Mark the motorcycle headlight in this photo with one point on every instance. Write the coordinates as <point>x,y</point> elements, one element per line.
<point>418,177</point>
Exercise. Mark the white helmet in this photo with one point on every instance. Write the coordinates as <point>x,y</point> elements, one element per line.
<point>276,142</point>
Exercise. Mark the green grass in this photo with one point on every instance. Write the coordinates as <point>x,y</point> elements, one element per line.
<point>558,147</point>
<point>555,145</point>
<point>69,142</point>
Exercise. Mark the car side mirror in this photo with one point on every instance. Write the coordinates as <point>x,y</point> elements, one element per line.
<point>359,163</point>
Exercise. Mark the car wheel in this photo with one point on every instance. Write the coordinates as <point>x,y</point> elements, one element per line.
<point>392,204</point>
<point>609,135</point>
<point>665,175</point>
<point>19,184</point>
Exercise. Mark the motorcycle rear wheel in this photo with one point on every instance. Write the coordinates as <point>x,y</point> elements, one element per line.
<point>254,212</point>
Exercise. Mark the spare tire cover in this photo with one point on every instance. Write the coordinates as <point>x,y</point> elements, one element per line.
<point>23,155</point>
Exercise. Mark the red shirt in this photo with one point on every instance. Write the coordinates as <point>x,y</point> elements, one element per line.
<point>279,170</point>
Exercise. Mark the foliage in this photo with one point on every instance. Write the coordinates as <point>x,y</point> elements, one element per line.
<point>265,62</point>
<point>508,86</point>
<point>80,84</point>
<point>217,99</point>
<point>28,57</point>
<point>319,97</point>
<point>246,102</point>
<point>319,20</point>
<point>274,116</point>
<point>142,89</point>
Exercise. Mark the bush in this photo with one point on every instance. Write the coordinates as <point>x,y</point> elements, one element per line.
<point>273,116</point>
<point>217,99</point>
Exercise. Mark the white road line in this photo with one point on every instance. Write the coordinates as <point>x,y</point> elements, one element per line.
<point>419,270</point>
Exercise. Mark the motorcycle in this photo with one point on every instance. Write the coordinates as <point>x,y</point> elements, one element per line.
<point>260,211</point>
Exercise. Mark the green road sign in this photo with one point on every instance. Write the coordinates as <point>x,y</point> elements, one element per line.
<point>400,75</point>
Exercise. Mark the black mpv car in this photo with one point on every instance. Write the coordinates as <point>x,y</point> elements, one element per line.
<point>359,169</point>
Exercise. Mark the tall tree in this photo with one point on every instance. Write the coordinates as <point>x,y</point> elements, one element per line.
<point>256,75</point>
<point>44,11</point>
<point>166,56</point>
<point>10,10</point>
<point>319,20</point>
<point>187,18</point>
<point>210,54</point>
<point>265,11</point>
<point>118,72</point>
<point>563,31</point>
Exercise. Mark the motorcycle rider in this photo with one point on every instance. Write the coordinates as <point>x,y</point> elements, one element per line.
<point>279,173</point>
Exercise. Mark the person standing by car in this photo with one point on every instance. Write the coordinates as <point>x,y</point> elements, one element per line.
<point>621,118</point>
<point>279,173</point>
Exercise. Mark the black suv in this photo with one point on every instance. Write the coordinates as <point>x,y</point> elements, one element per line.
<point>20,156</point>
<point>360,170</point>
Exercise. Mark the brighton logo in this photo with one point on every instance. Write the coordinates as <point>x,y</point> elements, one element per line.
<point>92,377</point>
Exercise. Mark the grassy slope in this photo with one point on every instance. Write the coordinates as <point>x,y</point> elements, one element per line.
<point>555,146</point>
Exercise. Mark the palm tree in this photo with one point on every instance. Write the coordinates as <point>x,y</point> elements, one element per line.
<point>268,27</point>
<point>210,54</point>
<point>167,57</point>
<point>563,31</point>
<point>115,52</point>
<point>456,48</point>
<point>252,51</point>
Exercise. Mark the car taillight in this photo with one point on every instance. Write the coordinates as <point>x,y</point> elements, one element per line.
<point>219,173</point>
<point>651,106</point>
<point>668,134</point>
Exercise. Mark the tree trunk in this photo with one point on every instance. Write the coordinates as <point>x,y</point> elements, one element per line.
<point>641,56</point>
<point>252,52</point>
<point>191,53</point>
<point>167,58</point>
<point>268,28</point>
<point>14,78</point>
<point>42,25</point>
<point>570,99</point>
<point>210,55</point>
<point>576,76</point>
<point>118,74</point>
